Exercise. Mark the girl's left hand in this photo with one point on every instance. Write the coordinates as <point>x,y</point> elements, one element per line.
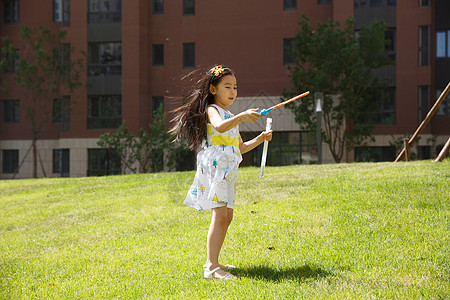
<point>267,136</point>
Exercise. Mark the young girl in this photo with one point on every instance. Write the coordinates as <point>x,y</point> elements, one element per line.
<point>206,119</point>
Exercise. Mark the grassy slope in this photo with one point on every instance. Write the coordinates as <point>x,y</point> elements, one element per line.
<point>341,231</point>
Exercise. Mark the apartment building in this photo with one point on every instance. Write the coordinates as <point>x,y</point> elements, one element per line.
<point>139,50</point>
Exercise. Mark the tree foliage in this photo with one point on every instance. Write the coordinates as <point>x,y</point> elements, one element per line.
<point>150,151</point>
<point>340,64</point>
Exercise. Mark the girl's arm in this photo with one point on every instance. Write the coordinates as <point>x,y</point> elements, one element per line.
<point>225,125</point>
<point>250,145</point>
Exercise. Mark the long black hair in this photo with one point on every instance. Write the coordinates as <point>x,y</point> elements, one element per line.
<point>190,120</point>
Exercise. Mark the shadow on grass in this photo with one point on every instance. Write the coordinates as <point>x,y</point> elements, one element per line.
<point>299,273</point>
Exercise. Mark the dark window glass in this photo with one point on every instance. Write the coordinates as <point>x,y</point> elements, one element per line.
<point>61,162</point>
<point>105,59</point>
<point>11,111</point>
<point>444,108</point>
<point>424,2</point>
<point>158,55</point>
<point>10,11</point>
<point>157,102</point>
<point>104,111</point>
<point>290,4</point>
<point>10,161</point>
<point>391,47</point>
<point>288,47</point>
<point>424,45</point>
<point>423,102</point>
<point>376,2</point>
<point>374,154</point>
<point>61,112</point>
<point>11,62</point>
<point>158,6</point>
<point>61,12</point>
<point>103,162</point>
<point>324,1</point>
<point>188,7</point>
<point>105,11</point>
<point>188,55</point>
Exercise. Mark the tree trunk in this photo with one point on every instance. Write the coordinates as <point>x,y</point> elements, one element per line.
<point>33,145</point>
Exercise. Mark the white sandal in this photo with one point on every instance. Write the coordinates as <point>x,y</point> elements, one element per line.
<point>209,274</point>
<point>225,267</point>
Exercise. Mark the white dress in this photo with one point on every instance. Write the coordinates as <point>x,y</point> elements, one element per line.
<point>217,169</point>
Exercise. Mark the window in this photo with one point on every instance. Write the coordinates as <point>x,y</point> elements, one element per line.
<point>424,45</point>
<point>158,55</point>
<point>104,111</point>
<point>290,4</point>
<point>443,44</point>
<point>10,11</point>
<point>374,154</point>
<point>288,48</point>
<point>10,161</point>
<point>105,59</point>
<point>62,60</point>
<point>390,36</point>
<point>103,162</point>
<point>391,2</point>
<point>324,1</point>
<point>424,2</point>
<point>157,102</point>
<point>359,3</point>
<point>423,102</point>
<point>386,112</point>
<point>61,12</point>
<point>379,107</point>
<point>376,3</point>
<point>158,6</point>
<point>11,62</point>
<point>10,111</point>
<point>188,55</point>
<point>61,112</point>
<point>61,162</point>
<point>444,108</point>
<point>188,7</point>
<point>287,148</point>
<point>105,11</point>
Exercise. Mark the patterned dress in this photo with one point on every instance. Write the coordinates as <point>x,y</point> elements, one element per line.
<point>217,169</point>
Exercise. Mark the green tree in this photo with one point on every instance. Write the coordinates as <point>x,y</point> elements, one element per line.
<point>45,71</point>
<point>150,151</point>
<point>340,64</point>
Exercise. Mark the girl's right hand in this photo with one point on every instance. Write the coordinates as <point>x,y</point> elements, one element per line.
<point>250,115</point>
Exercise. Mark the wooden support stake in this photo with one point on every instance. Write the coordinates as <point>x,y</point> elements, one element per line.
<point>443,152</point>
<point>426,120</point>
<point>406,147</point>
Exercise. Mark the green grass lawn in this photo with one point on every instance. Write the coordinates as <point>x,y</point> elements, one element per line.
<point>359,231</point>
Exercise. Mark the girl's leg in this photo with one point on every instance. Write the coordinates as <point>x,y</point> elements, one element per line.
<point>220,220</point>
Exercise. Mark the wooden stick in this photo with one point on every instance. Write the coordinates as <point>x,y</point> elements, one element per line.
<point>443,152</point>
<point>426,120</point>
<point>407,153</point>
